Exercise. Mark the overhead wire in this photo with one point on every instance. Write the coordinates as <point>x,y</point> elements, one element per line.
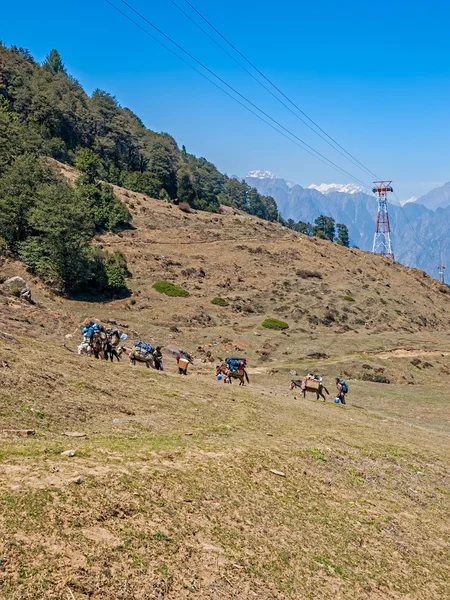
<point>202,74</point>
<point>286,132</point>
<point>318,155</point>
<point>279,90</point>
<point>208,79</point>
<point>325,137</point>
<point>319,211</point>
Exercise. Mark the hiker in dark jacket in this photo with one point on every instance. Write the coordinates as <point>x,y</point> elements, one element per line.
<point>157,358</point>
<point>340,390</point>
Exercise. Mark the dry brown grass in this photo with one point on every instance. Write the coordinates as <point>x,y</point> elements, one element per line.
<point>177,498</point>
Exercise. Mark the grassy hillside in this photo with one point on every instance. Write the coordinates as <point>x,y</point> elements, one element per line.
<point>171,492</point>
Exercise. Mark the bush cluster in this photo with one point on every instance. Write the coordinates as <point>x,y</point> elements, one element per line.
<point>220,302</point>
<point>49,225</point>
<point>275,324</point>
<point>305,274</point>
<point>170,289</point>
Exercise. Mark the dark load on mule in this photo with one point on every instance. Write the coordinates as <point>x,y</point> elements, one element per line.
<point>234,363</point>
<point>144,346</point>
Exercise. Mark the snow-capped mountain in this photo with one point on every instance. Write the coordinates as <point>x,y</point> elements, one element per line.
<point>418,224</point>
<point>343,188</point>
<point>261,175</point>
<point>412,199</point>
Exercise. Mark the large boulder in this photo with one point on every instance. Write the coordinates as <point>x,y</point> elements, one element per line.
<point>18,287</point>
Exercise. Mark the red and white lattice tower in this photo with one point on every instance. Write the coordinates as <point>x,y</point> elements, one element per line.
<point>382,240</point>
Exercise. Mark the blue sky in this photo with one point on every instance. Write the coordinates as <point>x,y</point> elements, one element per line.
<point>375,76</point>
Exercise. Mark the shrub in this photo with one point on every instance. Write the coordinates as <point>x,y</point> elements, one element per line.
<point>220,302</point>
<point>349,298</point>
<point>3,246</point>
<point>305,274</point>
<point>375,378</point>
<point>184,206</point>
<point>275,324</point>
<point>170,289</point>
<point>15,291</point>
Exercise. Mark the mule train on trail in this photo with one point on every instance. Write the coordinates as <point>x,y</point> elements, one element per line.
<point>310,383</point>
<point>233,368</point>
<point>101,342</point>
<point>106,343</point>
<point>143,352</point>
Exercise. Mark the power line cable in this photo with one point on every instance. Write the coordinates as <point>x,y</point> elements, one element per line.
<point>279,91</point>
<point>319,211</point>
<point>304,144</point>
<point>316,206</point>
<point>205,76</point>
<point>215,84</point>
<point>345,154</point>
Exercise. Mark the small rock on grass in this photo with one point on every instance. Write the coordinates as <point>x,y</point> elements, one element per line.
<point>8,336</point>
<point>77,480</point>
<point>68,453</point>
<point>279,473</point>
<point>74,434</point>
<point>23,432</point>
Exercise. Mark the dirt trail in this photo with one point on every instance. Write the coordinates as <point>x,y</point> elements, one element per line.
<point>406,353</point>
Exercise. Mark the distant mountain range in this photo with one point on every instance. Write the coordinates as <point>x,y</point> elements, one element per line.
<point>420,228</point>
<point>437,198</point>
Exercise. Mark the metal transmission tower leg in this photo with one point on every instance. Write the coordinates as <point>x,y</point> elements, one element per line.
<point>382,240</point>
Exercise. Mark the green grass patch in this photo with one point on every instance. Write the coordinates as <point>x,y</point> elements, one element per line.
<point>220,302</point>
<point>170,289</point>
<point>326,562</point>
<point>15,291</point>
<point>349,298</point>
<point>316,453</point>
<point>160,537</point>
<point>275,324</point>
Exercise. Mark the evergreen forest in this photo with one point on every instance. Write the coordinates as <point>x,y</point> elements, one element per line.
<point>48,224</point>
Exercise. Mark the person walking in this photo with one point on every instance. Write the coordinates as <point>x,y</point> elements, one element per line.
<point>182,365</point>
<point>157,358</point>
<point>342,390</point>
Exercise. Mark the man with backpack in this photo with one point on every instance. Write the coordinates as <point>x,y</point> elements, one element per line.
<point>157,358</point>
<point>342,389</point>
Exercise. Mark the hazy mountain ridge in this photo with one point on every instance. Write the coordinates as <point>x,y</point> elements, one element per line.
<point>437,198</point>
<point>420,234</point>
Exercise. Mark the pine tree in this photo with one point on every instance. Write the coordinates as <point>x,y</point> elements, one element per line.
<point>54,63</point>
<point>324,228</point>
<point>186,191</point>
<point>342,235</point>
